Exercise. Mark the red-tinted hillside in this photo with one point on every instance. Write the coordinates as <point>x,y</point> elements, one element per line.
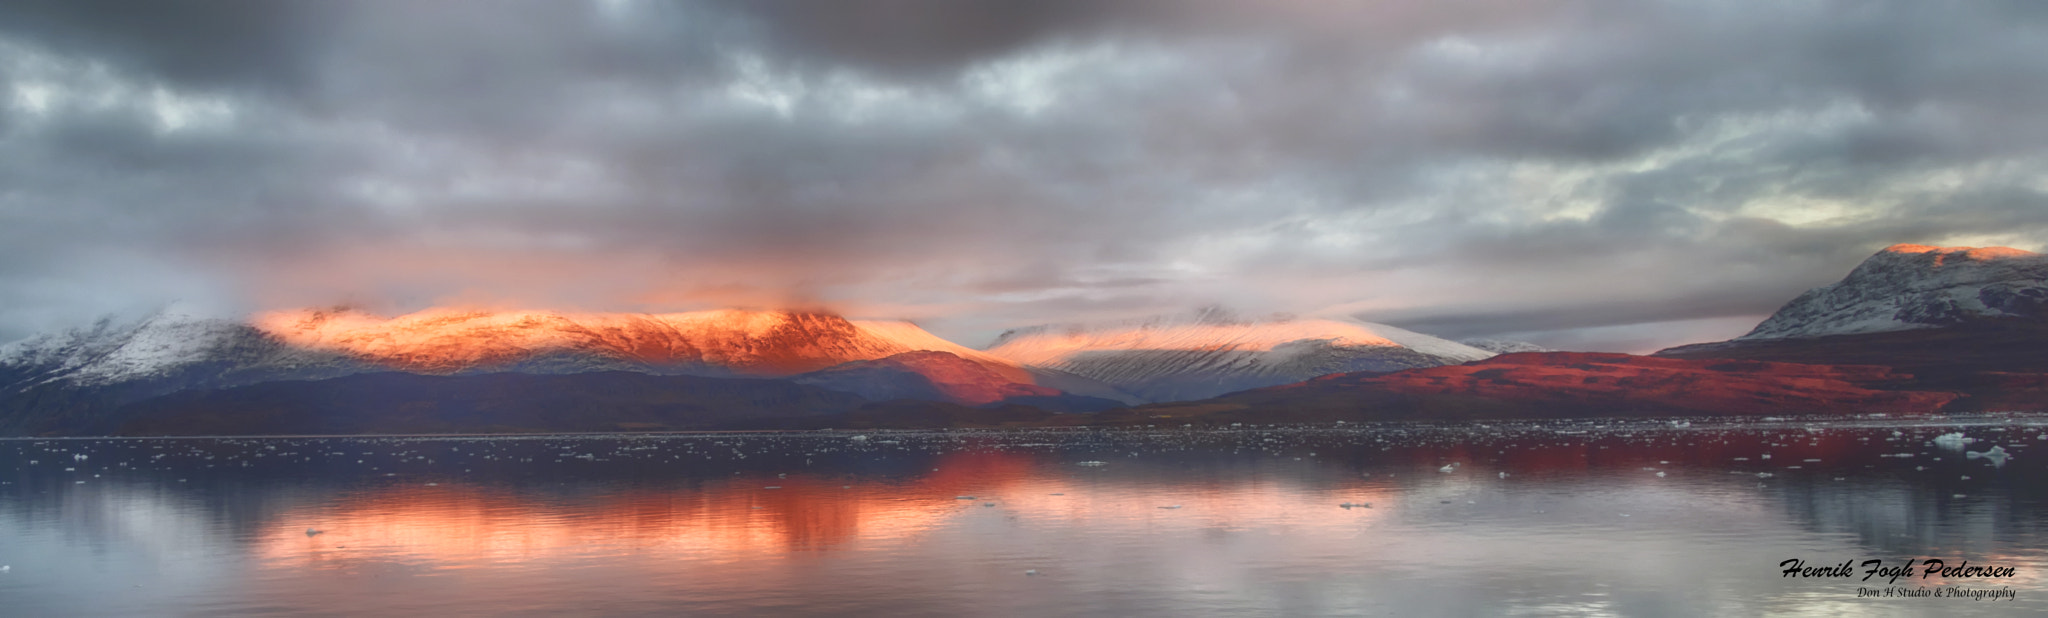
<point>1572,384</point>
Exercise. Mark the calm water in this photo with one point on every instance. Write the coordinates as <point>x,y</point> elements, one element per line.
<point>1591,518</point>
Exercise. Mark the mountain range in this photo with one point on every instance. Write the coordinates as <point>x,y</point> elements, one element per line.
<point>1914,329</point>
<point>309,362</point>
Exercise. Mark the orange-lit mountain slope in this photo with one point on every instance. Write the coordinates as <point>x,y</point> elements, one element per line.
<point>60,382</point>
<point>759,343</point>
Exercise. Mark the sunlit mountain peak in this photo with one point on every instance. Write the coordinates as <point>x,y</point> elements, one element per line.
<point>746,342</point>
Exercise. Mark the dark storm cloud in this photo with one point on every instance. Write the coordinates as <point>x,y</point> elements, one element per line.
<point>909,38</point>
<point>224,42</point>
<point>1567,171</point>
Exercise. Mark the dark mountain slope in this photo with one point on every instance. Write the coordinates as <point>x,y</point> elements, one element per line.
<point>407,403</point>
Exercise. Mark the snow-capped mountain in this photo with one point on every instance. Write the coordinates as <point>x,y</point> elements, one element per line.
<point>1182,358</point>
<point>1946,319</point>
<point>61,379</point>
<point>448,341</point>
<point>164,344</point>
<point>1906,287</point>
<point>47,379</point>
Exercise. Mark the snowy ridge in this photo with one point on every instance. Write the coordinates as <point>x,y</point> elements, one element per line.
<point>157,346</point>
<point>1907,287</point>
<point>160,342</point>
<point>1169,359</point>
<point>74,374</point>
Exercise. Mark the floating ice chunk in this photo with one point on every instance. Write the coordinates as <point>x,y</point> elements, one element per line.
<point>314,532</point>
<point>1503,475</point>
<point>1356,505</point>
<point>1996,455</point>
<point>1447,468</point>
<point>1660,475</point>
<point>1031,572</point>
<point>963,497</point>
<point>1171,507</point>
<point>1952,440</point>
<point>1093,463</point>
<point>988,504</point>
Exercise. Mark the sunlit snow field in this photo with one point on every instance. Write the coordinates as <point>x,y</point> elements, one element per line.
<point>1530,518</point>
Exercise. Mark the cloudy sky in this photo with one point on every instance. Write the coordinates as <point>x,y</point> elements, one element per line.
<point>1590,175</point>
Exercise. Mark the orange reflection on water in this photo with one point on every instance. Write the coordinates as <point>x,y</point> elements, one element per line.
<point>458,525</point>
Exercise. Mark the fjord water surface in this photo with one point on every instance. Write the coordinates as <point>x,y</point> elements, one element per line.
<point>1551,518</point>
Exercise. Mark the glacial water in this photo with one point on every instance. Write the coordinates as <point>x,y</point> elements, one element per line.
<point>1576,518</point>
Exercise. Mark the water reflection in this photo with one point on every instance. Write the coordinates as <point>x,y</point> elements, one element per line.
<point>1621,519</point>
<point>463,524</point>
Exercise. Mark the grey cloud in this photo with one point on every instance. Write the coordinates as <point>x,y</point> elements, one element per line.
<point>1470,168</point>
<point>912,38</point>
<point>235,43</point>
